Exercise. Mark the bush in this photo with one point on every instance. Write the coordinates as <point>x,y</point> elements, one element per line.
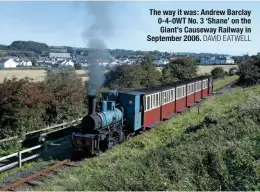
<point>249,71</point>
<point>26,105</point>
<point>77,66</point>
<point>233,71</point>
<point>218,72</point>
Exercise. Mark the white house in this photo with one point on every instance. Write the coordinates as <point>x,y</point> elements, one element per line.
<point>25,64</point>
<point>161,62</point>
<point>220,60</point>
<point>7,63</point>
<point>112,64</point>
<point>67,63</point>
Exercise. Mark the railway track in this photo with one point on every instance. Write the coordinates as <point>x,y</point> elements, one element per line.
<point>29,180</point>
<point>67,162</point>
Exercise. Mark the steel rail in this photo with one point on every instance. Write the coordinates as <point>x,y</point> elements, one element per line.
<point>34,176</point>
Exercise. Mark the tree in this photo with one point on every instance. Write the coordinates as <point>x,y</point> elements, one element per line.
<point>34,62</point>
<point>180,69</point>
<point>233,70</point>
<point>65,94</point>
<point>150,75</point>
<point>36,47</point>
<point>249,71</point>
<point>124,76</point>
<point>21,106</point>
<point>218,72</point>
<point>78,66</point>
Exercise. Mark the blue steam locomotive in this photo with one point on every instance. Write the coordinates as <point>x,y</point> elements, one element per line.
<point>117,116</point>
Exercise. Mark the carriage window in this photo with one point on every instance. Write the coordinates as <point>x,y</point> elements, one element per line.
<point>184,91</point>
<point>148,103</point>
<point>165,97</point>
<point>157,100</point>
<point>173,94</point>
<point>154,101</point>
<point>168,96</point>
<point>151,97</point>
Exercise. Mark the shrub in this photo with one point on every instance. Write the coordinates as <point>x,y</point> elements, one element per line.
<point>26,105</point>
<point>77,66</point>
<point>218,72</point>
<point>233,70</point>
<point>249,71</point>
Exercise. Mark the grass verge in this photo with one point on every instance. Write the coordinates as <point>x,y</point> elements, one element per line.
<point>166,158</point>
<point>219,83</point>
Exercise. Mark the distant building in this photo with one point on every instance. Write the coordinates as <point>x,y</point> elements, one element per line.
<point>216,61</point>
<point>60,55</point>
<point>67,63</point>
<point>7,63</point>
<point>161,62</point>
<point>25,64</point>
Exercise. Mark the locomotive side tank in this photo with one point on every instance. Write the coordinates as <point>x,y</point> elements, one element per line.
<point>110,114</point>
<point>96,121</point>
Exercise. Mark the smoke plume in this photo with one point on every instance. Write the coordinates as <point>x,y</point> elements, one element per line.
<point>95,35</point>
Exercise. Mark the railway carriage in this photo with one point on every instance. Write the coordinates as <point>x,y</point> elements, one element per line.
<point>126,112</point>
<point>190,94</point>
<point>168,102</point>
<point>181,99</point>
<point>198,94</point>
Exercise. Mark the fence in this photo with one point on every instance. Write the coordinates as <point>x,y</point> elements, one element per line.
<point>43,149</point>
<point>49,130</point>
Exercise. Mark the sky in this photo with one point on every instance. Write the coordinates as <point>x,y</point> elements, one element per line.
<point>64,23</point>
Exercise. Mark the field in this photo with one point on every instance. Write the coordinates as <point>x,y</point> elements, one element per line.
<point>220,154</point>
<point>37,74</point>
<point>208,69</point>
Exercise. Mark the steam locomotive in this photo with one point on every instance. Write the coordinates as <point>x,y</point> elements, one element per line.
<point>122,113</point>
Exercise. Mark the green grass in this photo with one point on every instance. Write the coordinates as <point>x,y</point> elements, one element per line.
<point>140,163</point>
<point>219,83</point>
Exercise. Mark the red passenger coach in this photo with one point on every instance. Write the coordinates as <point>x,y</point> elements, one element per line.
<point>152,108</point>
<point>163,102</point>
<point>190,94</point>
<point>198,94</point>
<point>205,91</point>
<point>168,102</point>
<point>180,97</point>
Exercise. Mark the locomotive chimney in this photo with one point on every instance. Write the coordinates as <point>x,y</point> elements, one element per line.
<point>92,103</point>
